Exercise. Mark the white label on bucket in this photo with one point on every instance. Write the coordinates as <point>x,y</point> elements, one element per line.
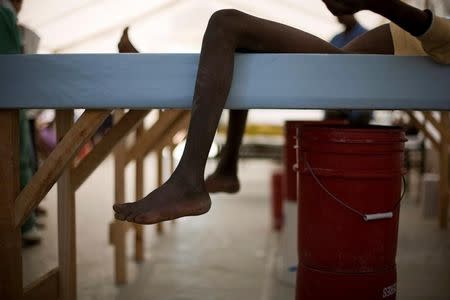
<point>390,290</point>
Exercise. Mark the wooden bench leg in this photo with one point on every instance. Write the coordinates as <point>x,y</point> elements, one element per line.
<point>139,229</point>
<point>66,219</point>
<point>172,163</point>
<point>160,179</point>
<point>119,195</point>
<point>444,173</point>
<point>10,235</point>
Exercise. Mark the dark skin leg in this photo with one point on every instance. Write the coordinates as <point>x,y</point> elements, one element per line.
<point>377,41</point>
<point>224,178</point>
<point>184,193</point>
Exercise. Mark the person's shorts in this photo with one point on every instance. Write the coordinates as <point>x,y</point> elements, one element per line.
<point>404,42</point>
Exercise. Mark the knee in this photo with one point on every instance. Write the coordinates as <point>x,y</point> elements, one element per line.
<point>225,21</point>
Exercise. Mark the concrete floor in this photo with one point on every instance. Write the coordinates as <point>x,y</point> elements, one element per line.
<point>229,253</point>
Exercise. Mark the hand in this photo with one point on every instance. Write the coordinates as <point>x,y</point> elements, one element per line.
<point>349,7</point>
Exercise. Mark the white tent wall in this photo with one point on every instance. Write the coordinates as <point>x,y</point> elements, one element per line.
<point>169,26</point>
<point>82,26</point>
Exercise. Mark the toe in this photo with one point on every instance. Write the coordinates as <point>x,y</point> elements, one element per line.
<point>119,217</point>
<point>117,208</point>
<point>130,217</point>
<point>142,219</point>
<point>122,208</point>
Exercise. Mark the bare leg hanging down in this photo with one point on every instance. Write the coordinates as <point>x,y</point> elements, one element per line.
<point>224,178</point>
<point>184,193</point>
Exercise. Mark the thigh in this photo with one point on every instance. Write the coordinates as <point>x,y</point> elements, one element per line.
<point>376,41</point>
<point>253,34</point>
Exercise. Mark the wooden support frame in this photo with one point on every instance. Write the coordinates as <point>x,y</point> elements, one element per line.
<point>153,139</point>
<point>445,133</point>
<point>139,191</point>
<point>54,165</point>
<point>181,123</point>
<point>126,124</point>
<point>442,147</point>
<point>159,182</point>
<point>67,255</point>
<point>59,283</point>
<point>46,287</point>
<point>422,127</point>
<point>172,164</point>
<point>10,244</point>
<point>120,228</point>
<point>153,134</point>
<point>444,172</point>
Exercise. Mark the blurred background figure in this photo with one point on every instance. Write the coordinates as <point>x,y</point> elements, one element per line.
<point>12,42</point>
<point>352,29</point>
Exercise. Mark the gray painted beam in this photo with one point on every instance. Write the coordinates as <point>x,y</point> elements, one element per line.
<point>260,81</point>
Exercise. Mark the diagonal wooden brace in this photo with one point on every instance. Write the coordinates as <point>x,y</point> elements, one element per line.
<point>153,134</point>
<point>54,165</point>
<point>421,126</point>
<point>126,124</point>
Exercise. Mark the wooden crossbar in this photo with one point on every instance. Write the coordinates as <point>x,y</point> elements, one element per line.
<point>442,147</point>
<point>154,139</point>
<point>153,134</point>
<point>181,123</point>
<point>319,81</point>
<point>442,130</point>
<point>46,287</point>
<point>422,127</point>
<point>53,166</point>
<point>126,124</point>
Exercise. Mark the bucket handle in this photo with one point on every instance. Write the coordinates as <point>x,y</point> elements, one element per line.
<point>366,217</point>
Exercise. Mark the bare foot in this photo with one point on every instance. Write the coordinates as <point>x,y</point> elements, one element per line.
<point>172,200</point>
<point>222,183</point>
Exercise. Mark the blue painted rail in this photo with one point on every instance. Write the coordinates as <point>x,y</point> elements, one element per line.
<point>294,81</point>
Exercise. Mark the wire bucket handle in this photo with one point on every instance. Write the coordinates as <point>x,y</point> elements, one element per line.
<point>366,217</point>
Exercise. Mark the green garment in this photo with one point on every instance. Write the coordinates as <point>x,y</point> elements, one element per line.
<point>27,163</point>
<point>10,44</point>
<point>9,33</point>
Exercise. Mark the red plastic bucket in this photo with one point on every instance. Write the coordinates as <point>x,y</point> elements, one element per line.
<point>277,200</point>
<point>290,134</point>
<point>348,176</point>
<point>319,285</point>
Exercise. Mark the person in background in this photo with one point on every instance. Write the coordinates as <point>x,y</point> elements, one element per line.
<point>10,43</point>
<point>29,41</point>
<point>411,32</point>
<point>352,30</point>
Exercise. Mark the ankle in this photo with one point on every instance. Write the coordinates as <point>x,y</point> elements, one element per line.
<point>226,169</point>
<point>187,177</point>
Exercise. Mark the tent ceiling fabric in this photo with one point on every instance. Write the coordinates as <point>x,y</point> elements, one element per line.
<point>83,26</point>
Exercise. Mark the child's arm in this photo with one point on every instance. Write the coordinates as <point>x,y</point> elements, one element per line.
<point>411,19</point>
<point>432,31</point>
